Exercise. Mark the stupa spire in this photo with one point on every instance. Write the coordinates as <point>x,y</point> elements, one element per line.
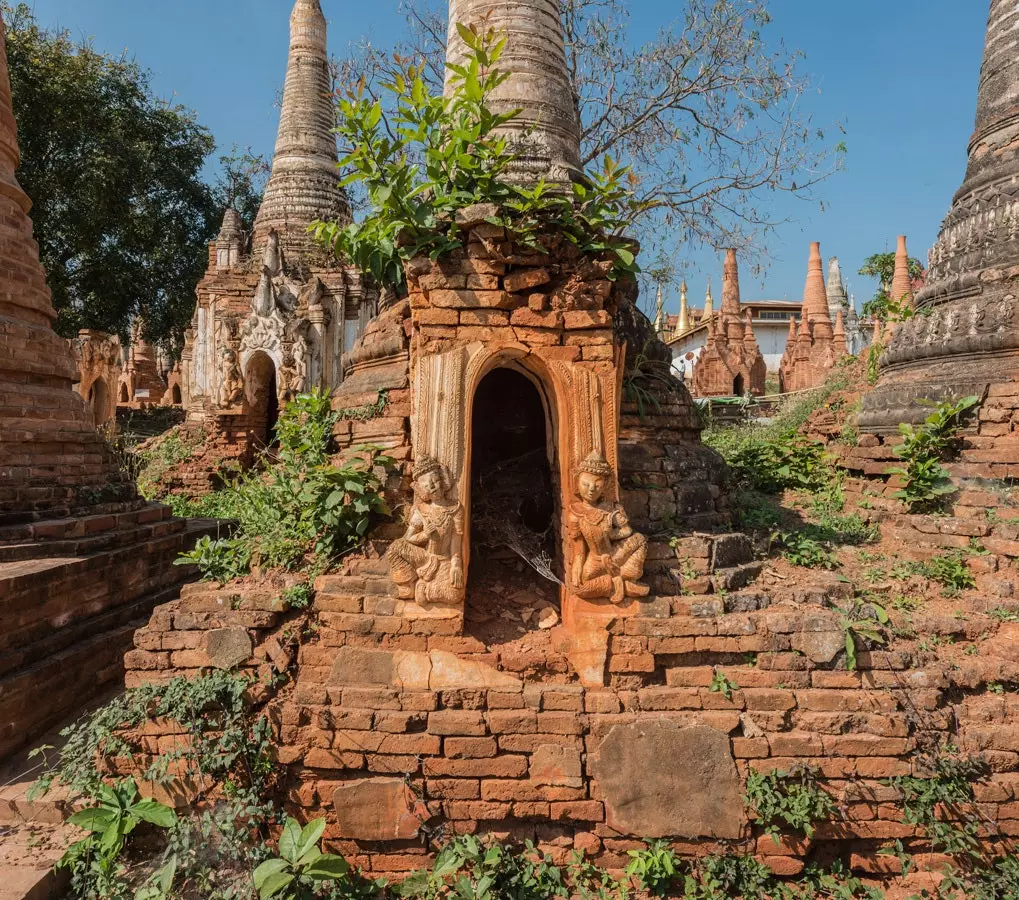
<point>304,184</point>
<point>732,311</point>
<point>839,336</point>
<point>683,322</point>
<point>660,313</point>
<point>815,296</point>
<point>902,284</point>
<point>838,299</point>
<point>546,133</point>
<point>709,304</point>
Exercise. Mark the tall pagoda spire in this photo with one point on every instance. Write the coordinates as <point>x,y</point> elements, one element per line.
<point>304,185</point>
<point>546,133</point>
<point>732,311</point>
<point>660,314</point>
<point>838,299</point>
<point>902,284</point>
<point>709,304</point>
<point>683,322</point>
<point>815,295</point>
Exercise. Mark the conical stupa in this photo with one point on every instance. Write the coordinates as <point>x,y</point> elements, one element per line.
<point>546,133</point>
<point>52,461</point>
<point>967,338</point>
<point>304,184</point>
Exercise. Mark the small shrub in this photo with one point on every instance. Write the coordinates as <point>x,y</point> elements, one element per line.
<point>94,861</point>
<point>720,684</point>
<point>789,800</point>
<point>434,154</point>
<point>947,569</point>
<point>863,624</point>
<point>924,448</point>
<point>472,869</point>
<point>940,801</point>
<point>298,596</point>
<point>808,548</point>
<point>221,560</point>
<point>300,507</point>
<point>654,868</point>
<point>301,869</point>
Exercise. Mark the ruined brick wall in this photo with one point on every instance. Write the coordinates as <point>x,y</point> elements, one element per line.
<point>401,731</point>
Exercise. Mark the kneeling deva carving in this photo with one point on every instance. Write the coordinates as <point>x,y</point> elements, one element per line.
<point>427,562</point>
<point>607,555</point>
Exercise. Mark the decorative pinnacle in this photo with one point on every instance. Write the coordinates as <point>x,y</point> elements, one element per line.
<point>902,284</point>
<point>815,296</point>
<point>546,133</point>
<point>304,184</point>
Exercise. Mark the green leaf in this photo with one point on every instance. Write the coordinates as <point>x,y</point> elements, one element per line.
<point>414,885</point>
<point>155,813</point>
<point>290,840</point>
<point>310,836</point>
<point>94,820</point>
<point>328,867</point>
<point>273,885</point>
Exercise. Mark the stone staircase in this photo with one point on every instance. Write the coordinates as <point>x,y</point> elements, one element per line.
<point>72,592</point>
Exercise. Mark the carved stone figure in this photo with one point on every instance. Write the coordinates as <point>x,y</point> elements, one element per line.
<point>426,563</point>
<point>231,385</point>
<point>272,258</point>
<point>607,555</point>
<point>264,300</point>
<point>290,377</point>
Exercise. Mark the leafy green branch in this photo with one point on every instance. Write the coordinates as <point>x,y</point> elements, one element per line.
<point>422,157</point>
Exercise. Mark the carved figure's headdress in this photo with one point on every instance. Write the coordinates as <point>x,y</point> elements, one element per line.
<point>595,464</point>
<point>426,465</point>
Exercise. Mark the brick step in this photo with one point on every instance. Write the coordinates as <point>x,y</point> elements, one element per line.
<point>27,505</point>
<point>40,596</point>
<point>54,688</point>
<point>113,619</point>
<point>114,518</point>
<point>104,542</point>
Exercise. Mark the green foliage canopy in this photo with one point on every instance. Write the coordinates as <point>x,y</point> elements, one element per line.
<point>120,208</point>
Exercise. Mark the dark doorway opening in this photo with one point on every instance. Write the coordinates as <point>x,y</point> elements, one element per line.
<point>175,395</point>
<point>124,398</point>
<point>738,386</point>
<point>98,401</point>
<point>261,388</point>
<point>514,566</point>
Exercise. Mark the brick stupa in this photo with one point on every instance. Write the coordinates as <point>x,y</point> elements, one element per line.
<point>530,404</point>
<point>82,558</point>
<point>731,363</point>
<point>807,362</point>
<point>276,314</point>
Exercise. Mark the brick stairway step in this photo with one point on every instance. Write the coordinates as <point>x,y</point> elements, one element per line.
<point>97,543</point>
<point>100,519</point>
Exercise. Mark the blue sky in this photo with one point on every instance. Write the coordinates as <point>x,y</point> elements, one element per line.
<point>901,76</point>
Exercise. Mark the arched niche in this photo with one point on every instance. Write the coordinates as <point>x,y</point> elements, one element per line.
<point>175,396</point>
<point>580,404</point>
<point>515,509</point>
<point>99,402</point>
<point>261,396</point>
